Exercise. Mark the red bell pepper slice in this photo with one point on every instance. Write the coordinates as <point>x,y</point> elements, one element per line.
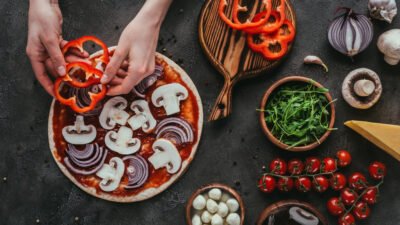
<point>72,102</point>
<point>236,8</point>
<point>268,27</point>
<point>78,43</point>
<point>92,75</point>
<point>282,37</point>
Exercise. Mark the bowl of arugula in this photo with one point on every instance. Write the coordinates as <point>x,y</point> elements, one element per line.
<point>297,113</point>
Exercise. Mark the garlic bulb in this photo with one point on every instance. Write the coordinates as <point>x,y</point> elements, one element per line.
<point>350,33</point>
<point>389,45</point>
<point>384,10</point>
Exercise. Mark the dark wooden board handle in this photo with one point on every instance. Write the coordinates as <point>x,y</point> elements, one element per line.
<point>223,106</point>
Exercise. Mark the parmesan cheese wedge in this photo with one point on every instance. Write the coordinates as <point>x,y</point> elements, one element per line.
<point>385,136</point>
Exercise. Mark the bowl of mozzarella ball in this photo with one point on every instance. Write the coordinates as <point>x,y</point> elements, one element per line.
<point>215,204</point>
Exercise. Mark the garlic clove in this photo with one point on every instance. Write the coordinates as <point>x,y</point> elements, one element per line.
<point>384,10</point>
<point>312,59</point>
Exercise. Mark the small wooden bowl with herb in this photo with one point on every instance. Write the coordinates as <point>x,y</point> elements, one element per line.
<point>297,113</point>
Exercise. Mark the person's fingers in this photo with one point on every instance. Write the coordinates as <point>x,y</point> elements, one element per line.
<point>50,68</point>
<point>74,58</point>
<point>125,65</point>
<point>75,51</point>
<point>116,81</point>
<point>113,66</point>
<point>40,72</point>
<point>52,45</point>
<point>122,73</point>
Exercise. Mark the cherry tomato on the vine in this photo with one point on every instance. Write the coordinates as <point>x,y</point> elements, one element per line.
<point>278,166</point>
<point>371,195</point>
<point>320,183</point>
<point>267,184</point>
<point>335,206</point>
<point>303,184</point>
<point>377,170</point>
<point>357,181</point>
<point>312,165</point>
<point>295,167</point>
<point>338,181</point>
<point>348,196</point>
<point>328,165</point>
<point>347,219</point>
<point>285,184</point>
<point>344,158</point>
<point>361,210</point>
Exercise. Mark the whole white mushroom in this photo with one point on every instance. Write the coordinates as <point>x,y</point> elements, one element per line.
<point>199,202</point>
<point>233,219</point>
<point>215,194</point>
<point>222,209</point>
<point>389,45</point>
<point>196,220</point>
<point>206,217</point>
<point>233,205</point>
<point>212,206</point>
<point>217,220</point>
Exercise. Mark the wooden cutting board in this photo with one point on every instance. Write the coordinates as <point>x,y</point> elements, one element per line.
<point>228,52</point>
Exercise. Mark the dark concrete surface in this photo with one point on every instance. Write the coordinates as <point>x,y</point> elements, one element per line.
<point>231,151</point>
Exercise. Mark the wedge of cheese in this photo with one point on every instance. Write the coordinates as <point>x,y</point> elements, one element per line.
<point>385,136</point>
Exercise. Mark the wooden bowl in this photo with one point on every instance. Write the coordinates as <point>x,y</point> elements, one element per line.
<point>281,205</point>
<point>224,188</point>
<point>265,128</point>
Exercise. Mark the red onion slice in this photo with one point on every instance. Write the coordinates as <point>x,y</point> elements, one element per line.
<point>137,171</point>
<point>79,161</point>
<point>176,130</point>
<point>148,81</point>
<point>83,98</point>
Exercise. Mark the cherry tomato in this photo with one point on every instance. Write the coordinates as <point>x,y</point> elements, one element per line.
<point>377,170</point>
<point>335,206</point>
<point>370,195</point>
<point>338,181</point>
<point>347,219</point>
<point>267,184</point>
<point>361,210</point>
<point>344,158</point>
<point>313,165</point>
<point>285,184</point>
<point>320,183</point>
<point>278,166</point>
<point>357,181</point>
<point>328,165</point>
<point>348,196</point>
<point>303,184</point>
<point>295,167</point>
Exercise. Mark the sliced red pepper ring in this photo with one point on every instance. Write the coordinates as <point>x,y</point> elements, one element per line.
<point>91,75</point>
<point>72,101</point>
<point>78,43</point>
<point>236,24</point>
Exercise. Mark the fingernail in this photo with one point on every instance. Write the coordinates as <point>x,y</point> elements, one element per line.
<point>61,70</point>
<point>104,78</point>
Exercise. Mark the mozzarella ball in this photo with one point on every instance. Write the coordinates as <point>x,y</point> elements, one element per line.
<point>233,219</point>
<point>199,202</point>
<point>222,209</point>
<point>212,206</point>
<point>206,217</point>
<point>215,194</point>
<point>232,204</point>
<point>225,197</point>
<point>217,220</point>
<point>196,220</point>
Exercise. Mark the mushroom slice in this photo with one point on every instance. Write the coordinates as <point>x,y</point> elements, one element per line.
<point>143,117</point>
<point>169,96</point>
<point>165,155</point>
<point>302,216</point>
<point>113,113</point>
<point>122,142</point>
<point>79,133</point>
<point>111,174</point>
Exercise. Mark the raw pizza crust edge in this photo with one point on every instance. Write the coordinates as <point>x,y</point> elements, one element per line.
<point>150,192</point>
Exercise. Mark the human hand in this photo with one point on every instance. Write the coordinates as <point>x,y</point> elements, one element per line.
<point>137,45</point>
<point>45,42</point>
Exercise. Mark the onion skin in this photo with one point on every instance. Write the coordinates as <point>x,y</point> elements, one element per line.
<point>176,130</point>
<point>87,161</point>
<point>137,171</point>
<point>350,33</point>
